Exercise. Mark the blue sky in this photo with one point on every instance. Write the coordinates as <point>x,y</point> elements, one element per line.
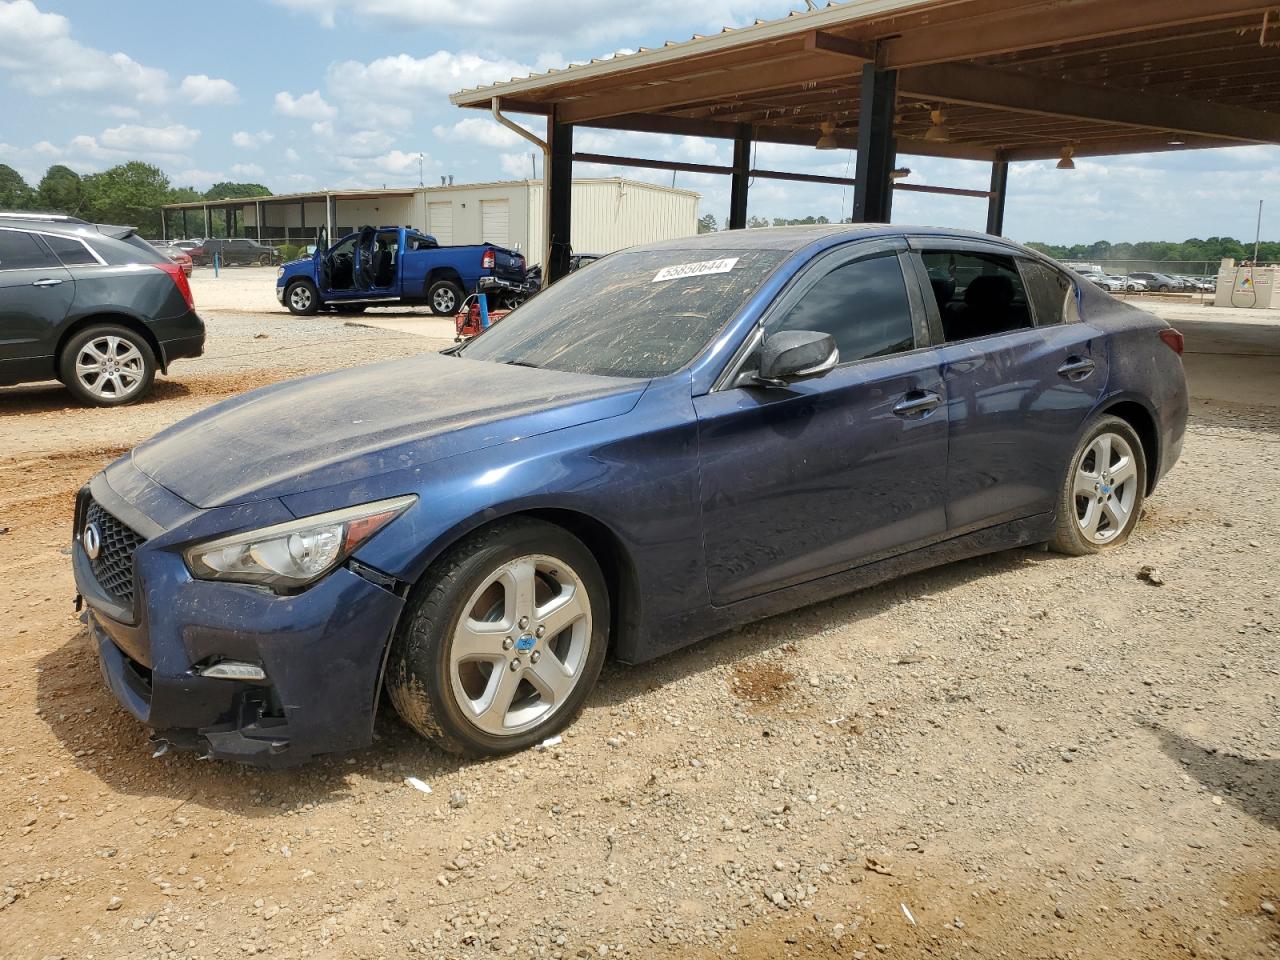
<point>304,94</point>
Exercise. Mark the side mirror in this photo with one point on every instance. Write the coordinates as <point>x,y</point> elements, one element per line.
<point>789,356</point>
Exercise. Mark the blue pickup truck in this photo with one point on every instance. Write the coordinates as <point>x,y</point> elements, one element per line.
<point>382,266</point>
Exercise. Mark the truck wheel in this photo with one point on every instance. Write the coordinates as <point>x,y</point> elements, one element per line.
<point>265,260</point>
<point>444,297</point>
<point>302,298</point>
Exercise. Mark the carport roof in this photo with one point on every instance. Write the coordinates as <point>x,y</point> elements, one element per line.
<point>1017,79</point>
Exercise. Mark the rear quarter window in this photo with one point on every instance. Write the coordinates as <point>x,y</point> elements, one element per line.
<point>132,249</point>
<point>1051,292</point>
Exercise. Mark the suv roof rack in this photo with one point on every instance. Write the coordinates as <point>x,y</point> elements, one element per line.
<point>36,215</point>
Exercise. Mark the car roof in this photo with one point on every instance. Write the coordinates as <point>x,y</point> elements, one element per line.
<point>792,239</point>
<point>71,226</point>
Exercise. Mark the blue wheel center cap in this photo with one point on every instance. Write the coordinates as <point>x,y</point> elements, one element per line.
<point>526,643</point>
<point>1105,488</point>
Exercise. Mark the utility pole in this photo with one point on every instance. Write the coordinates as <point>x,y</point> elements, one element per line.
<point>1257,237</point>
<point>420,159</point>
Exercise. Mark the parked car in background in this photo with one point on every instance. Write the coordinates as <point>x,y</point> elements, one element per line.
<point>75,307</point>
<point>1159,282</point>
<point>380,266</point>
<point>177,255</point>
<point>684,437</point>
<point>1129,283</point>
<point>1103,282</point>
<point>235,252</point>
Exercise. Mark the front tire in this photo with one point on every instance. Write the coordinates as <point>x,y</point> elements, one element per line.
<point>107,365</point>
<point>445,297</point>
<point>301,298</point>
<point>503,640</point>
<point>1103,491</point>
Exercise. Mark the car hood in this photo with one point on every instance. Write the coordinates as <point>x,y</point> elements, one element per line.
<point>353,424</point>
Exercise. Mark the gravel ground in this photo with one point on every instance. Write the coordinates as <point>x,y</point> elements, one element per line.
<point>1019,756</point>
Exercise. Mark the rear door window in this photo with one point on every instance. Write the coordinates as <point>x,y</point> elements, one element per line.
<point>20,250</point>
<point>863,305</point>
<point>979,294</point>
<point>72,252</point>
<point>1052,292</point>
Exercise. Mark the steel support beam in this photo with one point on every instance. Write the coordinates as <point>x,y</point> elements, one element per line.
<point>185,232</point>
<point>995,202</point>
<point>873,191</point>
<point>741,180</point>
<point>208,224</point>
<point>560,208</point>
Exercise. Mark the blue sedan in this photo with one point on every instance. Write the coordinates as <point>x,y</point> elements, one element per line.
<point>685,437</point>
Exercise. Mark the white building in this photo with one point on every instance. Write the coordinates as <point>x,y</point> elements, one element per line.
<point>607,214</point>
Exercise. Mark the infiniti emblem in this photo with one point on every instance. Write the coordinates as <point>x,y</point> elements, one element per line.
<point>91,540</point>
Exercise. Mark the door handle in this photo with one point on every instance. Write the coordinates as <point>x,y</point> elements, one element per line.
<point>47,282</point>
<point>1076,368</point>
<point>917,404</point>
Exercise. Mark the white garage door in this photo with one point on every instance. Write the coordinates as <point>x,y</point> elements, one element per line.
<point>441,216</point>
<point>495,222</point>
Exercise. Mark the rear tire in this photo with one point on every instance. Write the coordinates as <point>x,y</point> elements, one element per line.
<point>107,365</point>
<point>470,666</point>
<point>444,297</point>
<point>302,298</point>
<point>1104,489</point>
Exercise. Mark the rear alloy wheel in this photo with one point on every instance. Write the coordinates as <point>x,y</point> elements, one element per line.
<point>503,641</point>
<point>444,296</point>
<point>301,298</point>
<point>1104,490</point>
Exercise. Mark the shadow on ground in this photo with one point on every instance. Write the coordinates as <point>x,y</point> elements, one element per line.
<point>54,397</point>
<point>100,737</point>
<point>1251,784</point>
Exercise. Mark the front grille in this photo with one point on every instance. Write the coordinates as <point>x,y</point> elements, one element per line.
<point>113,567</point>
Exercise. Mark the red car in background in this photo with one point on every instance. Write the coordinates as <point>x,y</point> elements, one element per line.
<point>177,255</point>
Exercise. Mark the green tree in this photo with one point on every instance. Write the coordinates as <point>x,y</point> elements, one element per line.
<point>60,190</point>
<point>708,224</point>
<point>231,191</point>
<point>131,193</point>
<point>15,194</point>
<point>754,222</point>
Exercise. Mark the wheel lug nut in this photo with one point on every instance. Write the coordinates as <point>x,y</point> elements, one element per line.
<point>535,656</point>
<point>540,632</point>
<point>524,622</point>
<point>508,643</point>
<point>515,665</point>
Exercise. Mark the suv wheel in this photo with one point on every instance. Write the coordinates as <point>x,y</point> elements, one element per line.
<point>502,641</point>
<point>301,298</point>
<point>108,365</point>
<point>265,260</point>
<point>444,296</point>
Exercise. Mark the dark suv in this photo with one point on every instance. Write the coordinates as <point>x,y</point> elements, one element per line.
<point>235,252</point>
<point>94,306</point>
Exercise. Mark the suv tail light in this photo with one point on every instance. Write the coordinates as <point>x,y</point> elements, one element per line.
<point>1173,340</point>
<point>489,260</point>
<point>179,279</point>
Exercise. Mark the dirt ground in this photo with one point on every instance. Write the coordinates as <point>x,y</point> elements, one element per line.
<point>1021,756</point>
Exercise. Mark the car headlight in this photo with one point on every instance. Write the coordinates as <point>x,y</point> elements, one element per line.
<point>289,556</point>
<point>279,272</point>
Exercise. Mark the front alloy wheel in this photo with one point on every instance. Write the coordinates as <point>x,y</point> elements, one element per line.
<point>503,640</point>
<point>301,299</point>
<point>108,365</point>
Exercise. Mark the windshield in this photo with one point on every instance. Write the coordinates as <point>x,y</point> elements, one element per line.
<point>642,313</point>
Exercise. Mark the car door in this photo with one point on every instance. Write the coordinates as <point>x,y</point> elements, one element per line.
<point>1022,375</point>
<point>36,291</point>
<point>802,481</point>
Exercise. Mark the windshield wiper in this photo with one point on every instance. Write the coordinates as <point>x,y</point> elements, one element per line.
<point>521,363</point>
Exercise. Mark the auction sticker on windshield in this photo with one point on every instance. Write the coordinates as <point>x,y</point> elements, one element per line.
<point>702,269</point>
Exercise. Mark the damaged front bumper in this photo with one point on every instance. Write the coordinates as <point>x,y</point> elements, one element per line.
<point>321,651</point>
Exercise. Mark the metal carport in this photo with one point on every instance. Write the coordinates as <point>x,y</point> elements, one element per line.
<point>994,80</point>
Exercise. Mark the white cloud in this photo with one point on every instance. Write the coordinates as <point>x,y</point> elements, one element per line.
<point>43,59</point>
<point>197,178</point>
<point>251,141</point>
<point>484,132</point>
<point>202,90</point>
<point>308,106</point>
<point>322,128</point>
<point>291,155</point>
<point>518,166</point>
<point>133,138</point>
<point>407,78</point>
<point>247,170</point>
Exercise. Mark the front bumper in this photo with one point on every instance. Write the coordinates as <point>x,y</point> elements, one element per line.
<point>322,650</point>
<point>280,293</point>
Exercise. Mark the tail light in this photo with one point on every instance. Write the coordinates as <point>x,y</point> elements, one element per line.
<point>1173,340</point>
<point>179,280</point>
<point>489,260</point>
